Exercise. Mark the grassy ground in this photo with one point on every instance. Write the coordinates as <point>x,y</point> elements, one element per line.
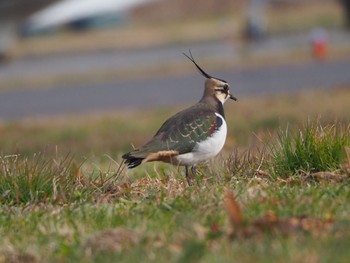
<point>65,198</point>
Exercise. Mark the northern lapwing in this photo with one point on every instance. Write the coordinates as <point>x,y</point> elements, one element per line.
<point>191,136</point>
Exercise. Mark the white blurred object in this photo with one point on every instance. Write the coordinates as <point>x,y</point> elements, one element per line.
<point>67,11</point>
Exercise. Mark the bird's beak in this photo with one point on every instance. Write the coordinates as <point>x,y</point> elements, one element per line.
<point>233,97</point>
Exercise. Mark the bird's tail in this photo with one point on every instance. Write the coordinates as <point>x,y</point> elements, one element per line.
<point>132,161</point>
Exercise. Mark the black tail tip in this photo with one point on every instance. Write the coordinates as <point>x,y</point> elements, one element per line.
<point>132,161</point>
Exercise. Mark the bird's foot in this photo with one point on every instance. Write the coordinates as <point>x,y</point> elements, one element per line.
<point>188,175</point>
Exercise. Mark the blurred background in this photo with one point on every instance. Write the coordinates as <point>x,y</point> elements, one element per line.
<point>61,57</point>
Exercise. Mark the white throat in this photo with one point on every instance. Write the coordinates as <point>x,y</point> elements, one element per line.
<point>222,98</point>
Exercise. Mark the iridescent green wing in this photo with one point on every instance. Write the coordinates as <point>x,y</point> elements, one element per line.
<point>183,131</point>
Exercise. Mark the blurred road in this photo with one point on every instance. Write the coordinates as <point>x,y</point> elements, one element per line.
<point>58,64</point>
<point>157,91</point>
<point>129,94</point>
<point>100,60</point>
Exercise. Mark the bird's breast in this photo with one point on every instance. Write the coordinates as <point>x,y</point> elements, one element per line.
<point>207,148</point>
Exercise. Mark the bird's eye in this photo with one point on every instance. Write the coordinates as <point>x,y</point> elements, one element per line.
<point>225,87</point>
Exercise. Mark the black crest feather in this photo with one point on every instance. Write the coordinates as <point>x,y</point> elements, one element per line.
<point>198,67</point>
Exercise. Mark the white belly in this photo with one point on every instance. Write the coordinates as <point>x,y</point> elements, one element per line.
<point>207,149</point>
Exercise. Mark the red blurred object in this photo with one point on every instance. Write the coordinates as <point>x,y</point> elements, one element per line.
<point>319,44</point>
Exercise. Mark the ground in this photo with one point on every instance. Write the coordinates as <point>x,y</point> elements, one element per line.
<point>65,196</point>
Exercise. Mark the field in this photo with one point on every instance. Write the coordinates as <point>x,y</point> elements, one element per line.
<point>278,192</point>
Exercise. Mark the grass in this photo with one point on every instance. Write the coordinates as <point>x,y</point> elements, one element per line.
<point>156,220</point>
<point>313,149</point>
<point>65,197</point>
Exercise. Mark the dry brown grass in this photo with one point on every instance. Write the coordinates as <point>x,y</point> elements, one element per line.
<point>99,213</point>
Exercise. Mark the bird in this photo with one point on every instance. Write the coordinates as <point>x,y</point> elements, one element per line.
<point>193,135</point>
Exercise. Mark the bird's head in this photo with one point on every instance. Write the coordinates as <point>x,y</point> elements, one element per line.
<point>214,87</point>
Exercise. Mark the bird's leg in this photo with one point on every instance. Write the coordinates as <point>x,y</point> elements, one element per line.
<point>194,170</point>
<point>188,178</point>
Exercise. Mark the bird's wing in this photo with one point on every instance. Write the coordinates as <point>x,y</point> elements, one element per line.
<point>182,132</point>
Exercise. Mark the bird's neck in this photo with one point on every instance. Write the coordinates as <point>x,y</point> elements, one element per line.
<point>214,104</point>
